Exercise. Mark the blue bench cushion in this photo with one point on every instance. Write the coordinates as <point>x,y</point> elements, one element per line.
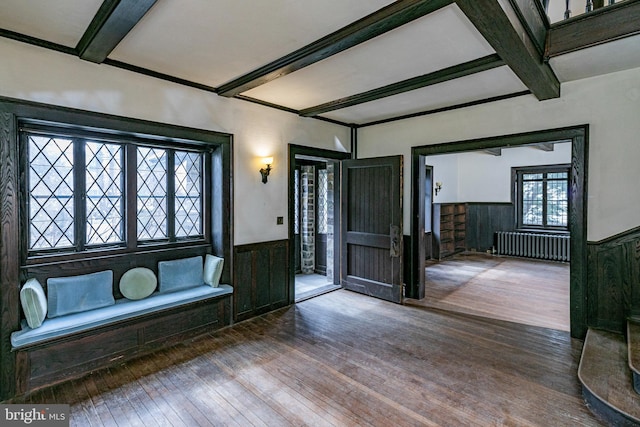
<point>79,293</point>
<point>180,274</point>
<point>123,309</point>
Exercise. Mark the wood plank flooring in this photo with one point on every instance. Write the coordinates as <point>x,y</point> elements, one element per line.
<point>532,292</point>
<point>343,359</point>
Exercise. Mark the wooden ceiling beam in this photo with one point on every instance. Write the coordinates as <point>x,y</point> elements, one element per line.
<point>607,24</point>
<point>373,25</point>
<point>109,26</point>
<point>440,76</point>
<point>516,48</point>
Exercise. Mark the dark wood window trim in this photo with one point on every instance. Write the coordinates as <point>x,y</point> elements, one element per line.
<point>13,260</point>
<point>131,241</point>
<point>516,196</point>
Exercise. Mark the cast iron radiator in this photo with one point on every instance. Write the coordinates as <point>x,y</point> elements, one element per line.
<point>533,245</point>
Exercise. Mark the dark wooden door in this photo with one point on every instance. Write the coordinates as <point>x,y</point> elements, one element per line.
<point>371,248</point>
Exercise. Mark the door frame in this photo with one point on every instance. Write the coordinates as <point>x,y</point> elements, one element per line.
<point>320,153</point>
<point>579,137</point>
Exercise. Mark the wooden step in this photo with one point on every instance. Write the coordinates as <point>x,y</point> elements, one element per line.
<point>633,346</point>
<point>606,383</point>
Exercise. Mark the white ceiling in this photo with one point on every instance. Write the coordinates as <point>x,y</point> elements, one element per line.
<point>212,42</point>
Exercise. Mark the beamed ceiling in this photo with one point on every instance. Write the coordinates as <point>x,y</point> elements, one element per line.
<point>356,62</point>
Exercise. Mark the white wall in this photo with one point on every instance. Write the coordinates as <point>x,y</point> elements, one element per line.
<point>41,75</point>
<point>610,104</point>
<point>482,177</point>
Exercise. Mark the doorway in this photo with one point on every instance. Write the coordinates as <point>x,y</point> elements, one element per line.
<point>314,225</point>
<point>314,221</point>
<point>577,136</point>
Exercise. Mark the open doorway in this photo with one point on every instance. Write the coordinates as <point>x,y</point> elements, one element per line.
<point>465,235</point>
<point>314,225</point>
<point>314,214</point>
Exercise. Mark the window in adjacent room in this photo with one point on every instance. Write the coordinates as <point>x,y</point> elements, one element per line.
<point>542,195</point>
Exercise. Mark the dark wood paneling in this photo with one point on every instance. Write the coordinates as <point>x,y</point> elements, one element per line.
<point>76,355</point>
<point>321,254</point>
<point>261,278</point>
<point>614,280</point>
<point>483,220</point>
<point>9,251</point>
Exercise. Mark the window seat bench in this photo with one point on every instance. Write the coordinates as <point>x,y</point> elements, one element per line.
<point>89,326</point>
<point>123,309</point>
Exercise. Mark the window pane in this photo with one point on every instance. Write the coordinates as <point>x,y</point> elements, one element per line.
<point>532,203</point>
<point>188,194</point>
<point>322,201</point>
<point>103,182</point>
<point>557,203</point>
<point>152,193</point>
<point>559,175</point>
<point>51,204</point>
<point>531,176</point>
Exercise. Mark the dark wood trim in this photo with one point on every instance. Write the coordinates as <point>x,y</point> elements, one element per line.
<point>604,25</point>
<point>34,41</point>
<point>454,72</point>
<point>616,238</point>
<point>9,259</point>
<point>416,256</point>
<point>299,150</point>
<point>534,19</point>
<point>373,25</point>
<point>577,206</point>
<point>517,50</point>
<point>444,109</point>
<point>13,112</point>
<point>157,75</point>
<point>112,22</point>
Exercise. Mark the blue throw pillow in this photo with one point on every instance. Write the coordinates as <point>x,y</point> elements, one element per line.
<point>79,293</point>
<point>34,303</point>
<point>180,274</point>
<point>213,270</point>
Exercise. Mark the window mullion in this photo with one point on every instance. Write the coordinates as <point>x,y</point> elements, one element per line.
<point>131,197</point>
<point>80,194</point>
<point>171,195</point>
<point>544,200</point>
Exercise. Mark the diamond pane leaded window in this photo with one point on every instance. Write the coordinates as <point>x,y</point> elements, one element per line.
<point>152,193</point>
<point>103,183</point>
<point>322,201</point>
<point>51,186</point>
<point>188,194</point>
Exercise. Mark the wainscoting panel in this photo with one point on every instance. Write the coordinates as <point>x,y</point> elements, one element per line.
<point>483,219</point>
<point>613,291</point>
<point>261,278</point>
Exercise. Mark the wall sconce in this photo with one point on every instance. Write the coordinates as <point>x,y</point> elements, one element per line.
<point>265,171</point>
<point>438,187</point>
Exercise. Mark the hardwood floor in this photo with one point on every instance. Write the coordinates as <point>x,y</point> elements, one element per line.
<point>532,292</point>
<point>343,359</point>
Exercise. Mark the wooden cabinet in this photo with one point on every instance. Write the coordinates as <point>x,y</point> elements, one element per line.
<point>449,229</point>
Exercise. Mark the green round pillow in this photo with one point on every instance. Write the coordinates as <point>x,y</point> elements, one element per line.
<point>138,283</point>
